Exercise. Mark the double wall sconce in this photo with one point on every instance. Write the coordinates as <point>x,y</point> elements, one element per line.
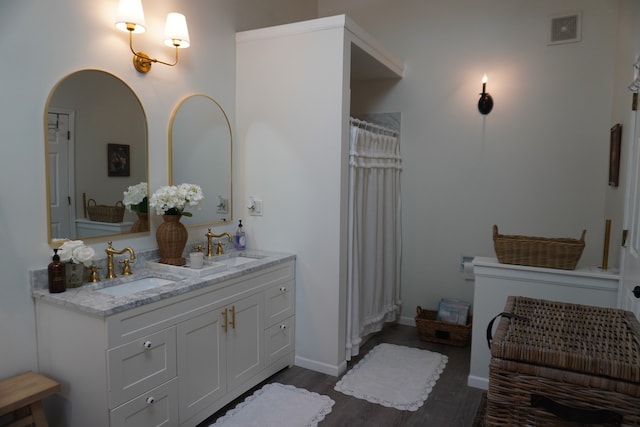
<point>130,18</point>
<point>485,104</point>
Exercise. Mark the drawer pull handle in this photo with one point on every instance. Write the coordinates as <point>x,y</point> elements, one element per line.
<point>283,289</point>
<point>150,400</point>
<point>283,327</point>
<point>228,323</point>
<point>233,316</point>
<point>146,344</point>
<point>224,324</point>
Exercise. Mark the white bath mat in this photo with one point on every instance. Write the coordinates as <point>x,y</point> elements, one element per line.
<point>278,405</point>
<point>395,376</point>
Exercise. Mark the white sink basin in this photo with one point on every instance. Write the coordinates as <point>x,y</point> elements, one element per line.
<point>236,261</point>
<point>135,286</point>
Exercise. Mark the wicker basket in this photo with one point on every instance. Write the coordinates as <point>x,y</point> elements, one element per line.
<point>433,330</point>
<point>564,364</point>
<point>104,213</point>
<point>559,253</point>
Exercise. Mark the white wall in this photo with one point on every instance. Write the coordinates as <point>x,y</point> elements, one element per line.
<point>537,165</point>
<point>43,41</point>
<point>254,14</point>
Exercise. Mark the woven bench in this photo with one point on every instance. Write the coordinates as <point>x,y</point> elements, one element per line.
<point>21,396</point>
<point>562,364</point>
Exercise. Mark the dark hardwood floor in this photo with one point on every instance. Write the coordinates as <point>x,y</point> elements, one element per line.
<point>451,403</point>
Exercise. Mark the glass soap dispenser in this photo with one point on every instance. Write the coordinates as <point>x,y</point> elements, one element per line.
<point>241,238</point>
<point>56,274</point>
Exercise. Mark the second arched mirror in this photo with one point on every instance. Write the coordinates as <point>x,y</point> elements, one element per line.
<point>200,147</point>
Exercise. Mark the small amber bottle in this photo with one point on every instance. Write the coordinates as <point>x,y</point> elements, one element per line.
<point>57,274</point>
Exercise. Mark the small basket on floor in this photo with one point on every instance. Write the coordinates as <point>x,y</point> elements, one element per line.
<point>433,330</point>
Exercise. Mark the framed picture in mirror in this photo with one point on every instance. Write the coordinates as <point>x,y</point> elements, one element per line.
<point>118,160</point>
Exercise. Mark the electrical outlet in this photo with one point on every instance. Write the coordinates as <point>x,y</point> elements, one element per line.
<point>255,206</point>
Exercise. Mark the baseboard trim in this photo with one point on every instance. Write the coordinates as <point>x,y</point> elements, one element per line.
<point>478,382</point>
<point>337,370</point>
<point>314,365</point>
<point>408,321</point>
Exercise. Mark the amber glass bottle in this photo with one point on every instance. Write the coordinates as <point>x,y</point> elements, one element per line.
<point>56,274</point>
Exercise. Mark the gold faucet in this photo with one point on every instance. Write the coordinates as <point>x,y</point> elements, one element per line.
<point>126,270</point>
<point>211,236</point>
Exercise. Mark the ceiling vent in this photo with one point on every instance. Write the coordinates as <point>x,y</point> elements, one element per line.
<point>565,28</point>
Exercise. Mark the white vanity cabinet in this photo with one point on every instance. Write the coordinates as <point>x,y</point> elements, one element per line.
<point>172,362</point>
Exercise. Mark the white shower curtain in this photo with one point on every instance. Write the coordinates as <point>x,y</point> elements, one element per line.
<point>374,233</point>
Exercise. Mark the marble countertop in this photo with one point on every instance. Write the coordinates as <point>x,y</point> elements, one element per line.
<point>87,299</point>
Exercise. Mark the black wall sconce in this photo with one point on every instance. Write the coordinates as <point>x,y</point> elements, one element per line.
<point>485,103</point>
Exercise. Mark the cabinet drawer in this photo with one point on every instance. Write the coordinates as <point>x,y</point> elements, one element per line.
<point>279,340</point>
<point>157,407</point>
<point>140,365</point>
<point>279,303</point>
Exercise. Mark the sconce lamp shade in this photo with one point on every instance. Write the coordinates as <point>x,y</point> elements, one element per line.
<point>130,14</point>
<point>175,31</point>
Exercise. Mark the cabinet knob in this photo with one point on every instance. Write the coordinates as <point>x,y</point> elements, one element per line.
<point>283,289</point>
<point>150,400</point>
<point>636,291</point>
<point>283,327</point>
<point>146,344</point>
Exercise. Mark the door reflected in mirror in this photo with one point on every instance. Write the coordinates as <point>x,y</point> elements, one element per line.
<point>200,147</point>
<point>96,145</point>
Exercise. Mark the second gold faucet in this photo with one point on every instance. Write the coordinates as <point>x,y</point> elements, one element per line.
<point>210,236</point>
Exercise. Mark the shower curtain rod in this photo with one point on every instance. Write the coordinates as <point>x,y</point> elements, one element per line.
<point>372,126</point>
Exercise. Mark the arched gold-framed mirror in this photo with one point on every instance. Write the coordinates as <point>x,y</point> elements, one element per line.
<point>96,146</point>
<point>200,152</point>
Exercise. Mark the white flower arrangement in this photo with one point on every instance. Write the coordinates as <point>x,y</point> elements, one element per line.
<point>173,200</point>
<point>76,252</point>
<point>135,198</point>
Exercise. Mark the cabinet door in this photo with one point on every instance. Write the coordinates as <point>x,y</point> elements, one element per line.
<point>201,363</point>
<point>244,339</point>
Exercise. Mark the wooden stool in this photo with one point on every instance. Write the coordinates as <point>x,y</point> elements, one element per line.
<point>21,396</point>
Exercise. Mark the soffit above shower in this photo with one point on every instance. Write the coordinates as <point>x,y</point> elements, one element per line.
<point>369,59</point>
